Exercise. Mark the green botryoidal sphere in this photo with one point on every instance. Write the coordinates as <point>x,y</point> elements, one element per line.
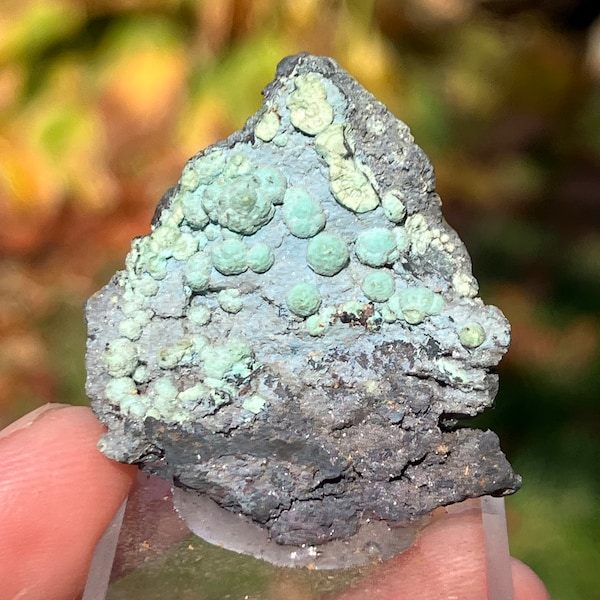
<point>230,257</point>
<point>378,286</point>
<point>472,335</point>
<point>327,254</point>
<point>303,215</point>
<point>303,299</point>
<point>260,258</point>
<point>376,247</point>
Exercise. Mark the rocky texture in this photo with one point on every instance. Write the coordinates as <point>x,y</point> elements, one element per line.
<point>300,329</point>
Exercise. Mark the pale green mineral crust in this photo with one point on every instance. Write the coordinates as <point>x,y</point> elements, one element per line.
<point>300,323</point>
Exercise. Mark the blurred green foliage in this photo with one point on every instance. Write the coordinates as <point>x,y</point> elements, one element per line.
<point>101,103</point>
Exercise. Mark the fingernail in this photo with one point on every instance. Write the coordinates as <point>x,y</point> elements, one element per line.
<point>29,418</point>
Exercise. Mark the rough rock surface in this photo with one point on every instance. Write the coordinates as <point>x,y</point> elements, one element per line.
<point>298,332</point>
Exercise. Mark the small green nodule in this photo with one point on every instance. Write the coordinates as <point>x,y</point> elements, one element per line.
<point>304,299</point>
<point>472,335</point>
<point>327,254</point>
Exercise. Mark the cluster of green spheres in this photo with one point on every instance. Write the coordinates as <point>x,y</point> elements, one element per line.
<point>223,199</point>
<point>414,304</point>
<point>238,205</point>
<point>235,193</point>
<point>229,257</point>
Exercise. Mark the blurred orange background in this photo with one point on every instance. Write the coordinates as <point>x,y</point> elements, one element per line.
<point>103,101</point>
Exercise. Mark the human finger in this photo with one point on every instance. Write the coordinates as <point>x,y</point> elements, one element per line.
<point>446,561</point>
<point>57,495</point>
<point>527,585</point>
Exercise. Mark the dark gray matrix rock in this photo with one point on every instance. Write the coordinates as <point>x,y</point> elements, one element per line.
<point>301,323</point>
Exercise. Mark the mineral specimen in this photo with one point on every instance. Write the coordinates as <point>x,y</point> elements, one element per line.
<point>297,334</point>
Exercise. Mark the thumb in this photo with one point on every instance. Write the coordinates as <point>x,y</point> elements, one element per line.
<point>446,561</point>
<point>57,495</point>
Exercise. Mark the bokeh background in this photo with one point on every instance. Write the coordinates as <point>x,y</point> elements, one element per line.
<point>103,101</point>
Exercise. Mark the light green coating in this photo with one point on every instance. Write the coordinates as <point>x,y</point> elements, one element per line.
<point>230,257</point>
<point>199,314</point>
<point>309,110</point>
<point>210,166</point>
<point>378,286</point>
<point>268,126</point>
<point>189,179</point>
<point>330,143</point>
<point>238,165</point>
<point>239,205</point>
<point>138,407</point>
<point>141,316</point>
<point>162,240</point>
<point>132,305</point>
<point>254,403</point>
<point>303,299</point>
<point>402,239</point>
<point>327,254</point>
<point>260,257</point>
<point>164,397</point>
<point>393,207</point>
<point>156,266</point>
<point>146,285</point>
<point>152,413</point>
<point>197,272</point>
<point>184,246</point>
<point>351,187</point>
<point>348,181</point>
<point>140,375</point>
<point>414,304</point>
<point>453,369</point>
<point>132,403</point>
<point>472,335</point>
<point>220,361</point>
<point>354,308</point>
<point>272,184</point>
<point>376,247</point>
<point>130,328</point>
<point>165,387</point>
<point>200,342</point>
<point>120,357</point>
<point>212,232</point>
<point>230,301</point>
<point>179,353</point>
<point>120,389</point>
<point>317,325</point>
<point>202,239</point>
<point>303,215</point>
<point>387,314</point>
<point>193,394</point>
<point>172,216</point>
<point>193,212</point>
<point>202,170</point>
<point>139,247</point>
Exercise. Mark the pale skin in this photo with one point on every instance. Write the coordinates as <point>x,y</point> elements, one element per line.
<point>58,494</point>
